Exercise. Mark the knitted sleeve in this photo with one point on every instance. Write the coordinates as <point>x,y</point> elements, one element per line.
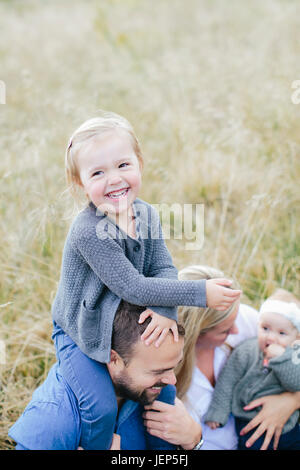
<point>287,369</point>
<point>106,258</point>
<point>221,404</point>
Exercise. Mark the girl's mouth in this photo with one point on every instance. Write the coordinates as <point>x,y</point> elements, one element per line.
<point>119,194</point>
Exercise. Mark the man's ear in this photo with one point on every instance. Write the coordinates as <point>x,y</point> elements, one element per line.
<point>116,363</point>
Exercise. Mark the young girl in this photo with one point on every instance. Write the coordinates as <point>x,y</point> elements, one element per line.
<point>265,365</point>
<point>114,250</point>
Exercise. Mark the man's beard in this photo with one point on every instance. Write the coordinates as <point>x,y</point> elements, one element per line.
<point>124,389</point>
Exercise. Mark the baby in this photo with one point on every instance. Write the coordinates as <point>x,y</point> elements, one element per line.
<point>265,365</point>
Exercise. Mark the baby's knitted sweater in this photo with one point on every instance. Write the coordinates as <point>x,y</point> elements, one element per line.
<point>244,378</point>
<point>101,265</point>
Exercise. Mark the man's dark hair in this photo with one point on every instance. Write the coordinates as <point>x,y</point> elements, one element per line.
<point>127,330</point>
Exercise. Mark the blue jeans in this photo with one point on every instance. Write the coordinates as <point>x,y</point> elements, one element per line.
<point>92,386</point>
<point>288,441</point>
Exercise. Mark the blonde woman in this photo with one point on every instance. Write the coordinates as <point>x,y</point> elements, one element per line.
<point>210,336</point>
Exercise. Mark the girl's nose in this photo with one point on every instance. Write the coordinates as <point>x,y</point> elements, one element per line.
<point>114,179</point>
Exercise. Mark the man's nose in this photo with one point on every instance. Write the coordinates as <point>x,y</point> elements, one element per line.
<point>169,378</point>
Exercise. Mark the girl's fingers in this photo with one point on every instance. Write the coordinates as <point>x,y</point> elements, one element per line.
<point>231,293</point>
<point>144,315</point>
<point>174,330</point>
<point>161,337</point>
<point>154,335</point>
<point>148,331</point>
<point>223,282</point>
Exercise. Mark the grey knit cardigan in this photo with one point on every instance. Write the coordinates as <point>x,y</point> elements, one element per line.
<point>101,265</point>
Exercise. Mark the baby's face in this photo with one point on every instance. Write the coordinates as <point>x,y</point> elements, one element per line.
<point>275,329</point>
<point>110,172</point>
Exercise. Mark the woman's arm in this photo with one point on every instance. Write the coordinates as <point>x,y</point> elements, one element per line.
<point>267,421</point>
<point>172,423</point>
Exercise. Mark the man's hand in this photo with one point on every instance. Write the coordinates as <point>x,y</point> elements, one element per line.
<point>158,328</point>
<point>172,424</point>
<point>218,296</point>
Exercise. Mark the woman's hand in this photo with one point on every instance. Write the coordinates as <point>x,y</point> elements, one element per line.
<point>218,296</point>
<point>173,424</point>
<point>268,421</point>
<point>158,328</point>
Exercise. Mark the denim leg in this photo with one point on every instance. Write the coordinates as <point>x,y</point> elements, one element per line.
<point>93,388</point>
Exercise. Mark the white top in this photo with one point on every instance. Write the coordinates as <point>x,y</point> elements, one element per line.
<point>200,392</point>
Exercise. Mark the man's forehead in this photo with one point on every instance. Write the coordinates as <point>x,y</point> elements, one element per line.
<point>165,357</point>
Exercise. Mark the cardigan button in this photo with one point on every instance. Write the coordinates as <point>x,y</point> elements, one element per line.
<point>137,248</point>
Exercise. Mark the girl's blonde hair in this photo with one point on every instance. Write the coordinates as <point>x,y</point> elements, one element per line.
<point>196,321</point>
<point>105,123</point>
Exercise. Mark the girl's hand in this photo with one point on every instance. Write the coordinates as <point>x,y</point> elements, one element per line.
<point>219,297</point>
<point>158,328</point>
<point>268,421</point>
<point>173,424</point>
<point>116,442</point>
<point>213,424</point>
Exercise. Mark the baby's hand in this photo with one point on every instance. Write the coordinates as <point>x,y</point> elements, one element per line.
<point>158,328</point>
<point>273,350</point>
<point>219,297</point>
<point>213,424</point>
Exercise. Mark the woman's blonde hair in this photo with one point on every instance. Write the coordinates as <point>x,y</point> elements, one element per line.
<point>105,123</point>
<point>196,321</point>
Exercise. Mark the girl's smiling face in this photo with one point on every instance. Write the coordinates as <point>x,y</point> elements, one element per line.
<point>110,173</point>
<point>274,328</point>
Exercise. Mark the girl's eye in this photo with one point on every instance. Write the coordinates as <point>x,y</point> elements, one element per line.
<point>97,173</point>
<point>282,333</point>
<point>123,165</point>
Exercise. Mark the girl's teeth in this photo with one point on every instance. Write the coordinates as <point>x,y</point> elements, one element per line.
<point>117,194</point>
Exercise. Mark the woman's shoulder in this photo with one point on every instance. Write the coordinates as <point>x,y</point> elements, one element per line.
<point>246,323</point>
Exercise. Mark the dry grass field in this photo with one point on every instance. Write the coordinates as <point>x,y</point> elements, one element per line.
<point>207,85</point>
